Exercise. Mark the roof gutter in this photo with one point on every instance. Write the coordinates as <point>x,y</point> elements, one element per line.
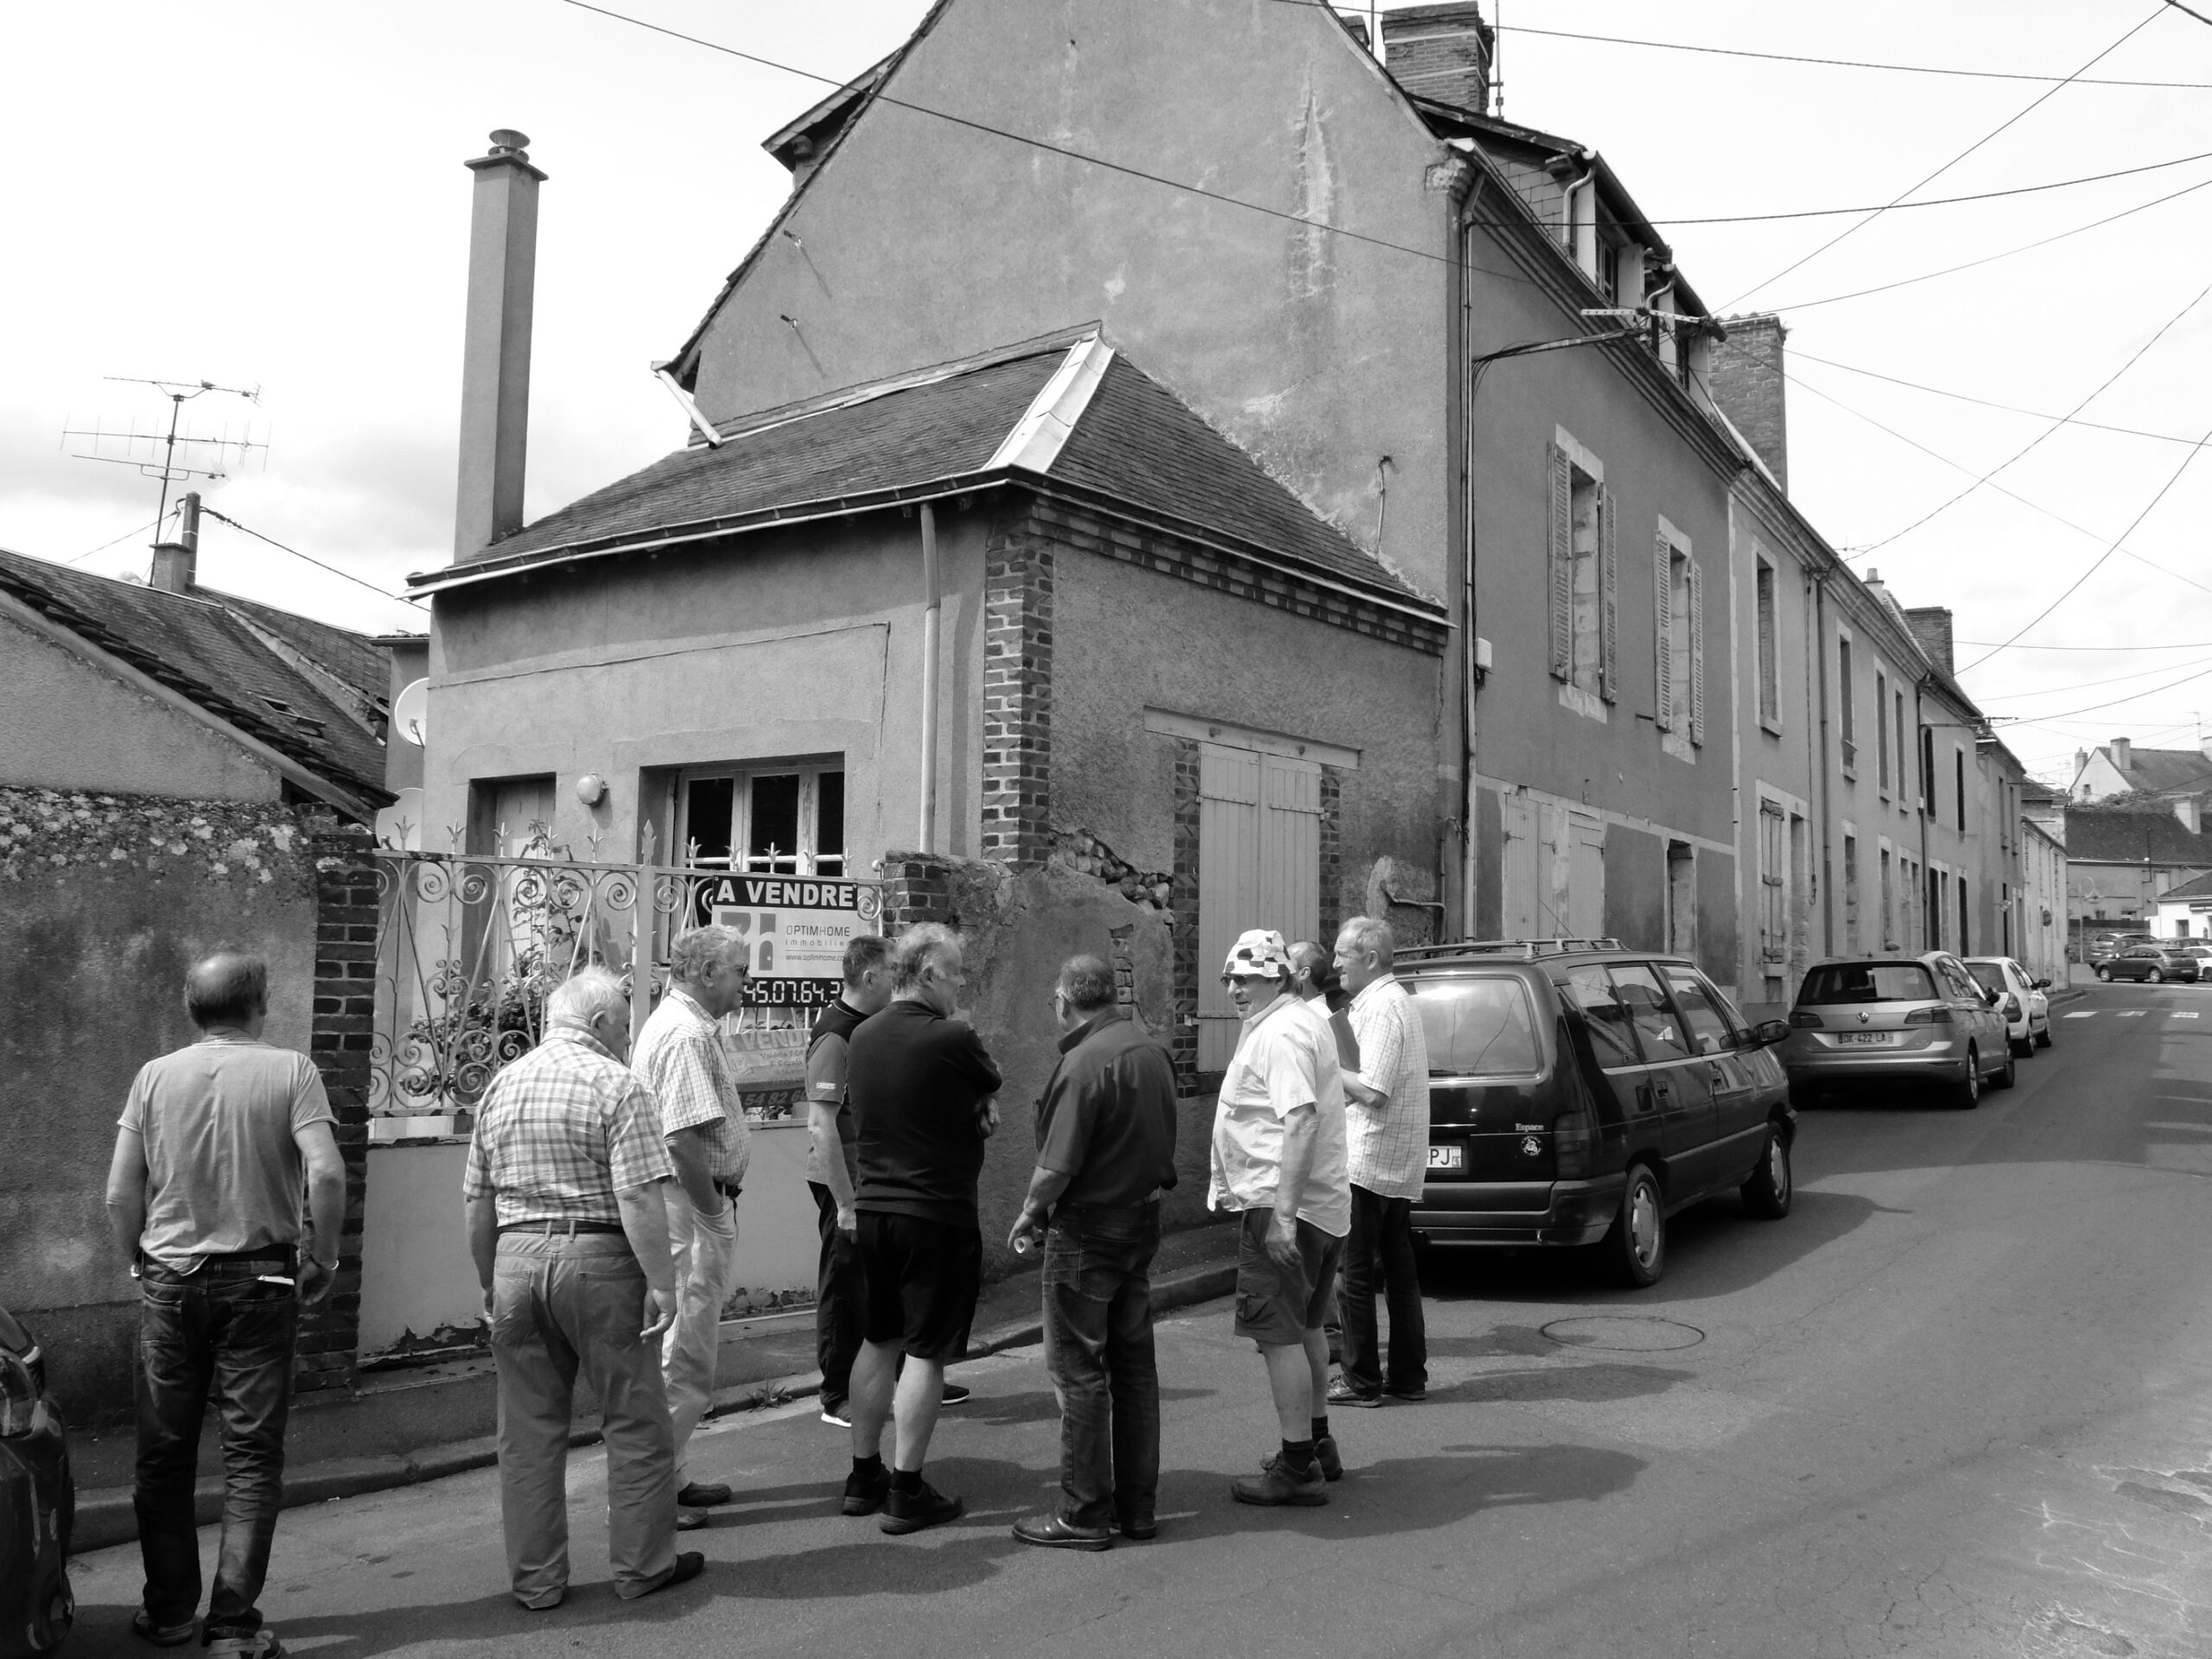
<point>69,640</point>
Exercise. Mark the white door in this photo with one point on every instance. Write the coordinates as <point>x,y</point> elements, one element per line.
<point>1522,865</point>
<point>1259,866</point>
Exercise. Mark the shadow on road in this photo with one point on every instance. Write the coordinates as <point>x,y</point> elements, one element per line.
<point>1039,1406</point>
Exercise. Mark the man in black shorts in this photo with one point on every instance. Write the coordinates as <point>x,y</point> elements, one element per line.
<point>921,1088</point>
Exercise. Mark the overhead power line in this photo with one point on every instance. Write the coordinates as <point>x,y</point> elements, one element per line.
<point>2088,685</point>
<point>1984,403</point>
<point>2109,651</point>
<point>346,575</point>
<point>104,546</point>
<point>2034,103</point>
<point>2116,702</point>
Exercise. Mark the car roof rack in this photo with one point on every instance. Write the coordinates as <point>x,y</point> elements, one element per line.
<point>1525,949</point>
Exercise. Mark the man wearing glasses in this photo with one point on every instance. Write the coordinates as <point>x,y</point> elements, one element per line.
<point>921,1086</point>
<point>1279,1157</point>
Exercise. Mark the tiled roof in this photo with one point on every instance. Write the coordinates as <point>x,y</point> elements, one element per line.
<point>353,659</point>
<point>2159,771</point>
<point>1134,443</point>
<point>2148,832</point>
<point>2197,887</point>
<point>196,647</point>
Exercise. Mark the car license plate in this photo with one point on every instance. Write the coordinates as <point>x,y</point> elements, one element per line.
<point>1871,1039</point>
<point>1447,1157</point>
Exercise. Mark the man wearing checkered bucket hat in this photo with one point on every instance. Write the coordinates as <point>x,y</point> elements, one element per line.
<point>1280,1158</point>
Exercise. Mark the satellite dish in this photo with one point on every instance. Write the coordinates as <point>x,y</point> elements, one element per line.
<point>410,713</point>
<point>400,824</point>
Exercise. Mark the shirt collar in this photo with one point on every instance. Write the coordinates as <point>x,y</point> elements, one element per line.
<point>227,1034</point>
<point>1374,988</point>
<point>1284,999</point>
<point>579,1037</point>
<point>678,994</point>
<point>1104,1017</point>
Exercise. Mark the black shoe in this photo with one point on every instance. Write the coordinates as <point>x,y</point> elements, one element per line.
<point>1326,1459</point>
<point>688,1566</point>
<point>956,1396</point>
<point>1138,1528</point>
<point>702,1494</point>
<point>864,1493</point>
<point>1057,1532</point>
<point>926,1506</point>
<point>1277,1483</point>
<point>1412,1394</point>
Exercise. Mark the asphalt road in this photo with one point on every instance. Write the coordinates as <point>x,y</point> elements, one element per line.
<point>1955,1404</point>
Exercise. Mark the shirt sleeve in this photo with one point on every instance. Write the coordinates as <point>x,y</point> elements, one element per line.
<point>134,1105</point>
<point>636,1154</point>
<point>476,1173</point>
<point>684,1083</point>
<point>826,1065</point>
<point>1382,1045</point>
<point>1290,1079</point>
<point>1069,1113</point>
<point>311,1104</point>
<point>976,1060</point>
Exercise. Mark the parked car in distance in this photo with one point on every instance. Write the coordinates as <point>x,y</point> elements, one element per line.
<point>1579,1094</point>
<point>2154,964</point>
<point>1896,1019</point>
<point>2021,1000</point>
<point>38,1502</point>
<point>2103,947</point>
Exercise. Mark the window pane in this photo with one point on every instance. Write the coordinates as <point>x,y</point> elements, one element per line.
<point>1658,1029</point>
<point>829,825</point>
<point>771,846</point>
<point>1709,1026</point>
<point>1868,981</point>
<point>1989,974</point>
<point>1477,1028</point>
<point>707,804</point>
<point>1610,1040</point>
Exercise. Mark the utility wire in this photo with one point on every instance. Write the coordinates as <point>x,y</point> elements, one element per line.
<point>2091,685</point>
<point>1798,356</point>
<point>104,546</point>
<point>2116,702</point>
<point>2036,103</point>
<point>348,575</point>
<point>2199,15</point>
<point>2170,644</point>
<point>2134,358</point>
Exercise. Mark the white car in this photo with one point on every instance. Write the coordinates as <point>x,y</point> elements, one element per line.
<point>2020,999</point>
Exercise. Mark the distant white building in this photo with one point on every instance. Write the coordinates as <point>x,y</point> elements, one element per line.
<point>2185,911</point>
<point>2041,934</point>
<point>2120,768</point>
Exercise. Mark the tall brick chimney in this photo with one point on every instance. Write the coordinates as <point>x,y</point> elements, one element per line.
<point>1931,626</point>
<point>1745,375</point>
<point>495,354</point>
<point>1441,52</point>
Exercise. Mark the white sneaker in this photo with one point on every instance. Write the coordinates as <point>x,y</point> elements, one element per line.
<point>835,1416</point>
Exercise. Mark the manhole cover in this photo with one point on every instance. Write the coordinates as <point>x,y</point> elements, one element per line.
<point>1624,1333</point>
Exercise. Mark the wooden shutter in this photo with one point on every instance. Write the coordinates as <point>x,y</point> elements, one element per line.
<point>1562,565</point>
<point>1662,589</point>
<point>1290,848</point>
<point>1521,865</point>
<point>1584,910</point>
<point>1697,654</point>
<point>1229,885</point>
<point>1609,602</point>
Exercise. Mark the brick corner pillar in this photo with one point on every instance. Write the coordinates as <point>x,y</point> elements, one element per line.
<point>917,888</point>
<point>1183,1040</point>
<point>1017,693</point>
<point>340,1041</point>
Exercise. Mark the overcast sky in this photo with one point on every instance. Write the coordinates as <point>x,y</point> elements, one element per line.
<point>271,195</point>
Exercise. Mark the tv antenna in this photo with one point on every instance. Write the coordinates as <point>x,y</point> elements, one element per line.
<point>156,454</point>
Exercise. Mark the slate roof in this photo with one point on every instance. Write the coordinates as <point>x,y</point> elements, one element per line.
<point>2161,772</point>
<point>2109,833</point>
<point>1134,445</point>
<point>198,646</point>
<point>2195,887</point>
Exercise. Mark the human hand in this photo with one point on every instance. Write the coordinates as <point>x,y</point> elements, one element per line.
<point>848,1221</point>
<point>662,1306</point>
<point>1022,1237</point>
<point>487,1307</point>
<point>987,1116</point>
<point>313,1281</point>
<point>1282,1240</point>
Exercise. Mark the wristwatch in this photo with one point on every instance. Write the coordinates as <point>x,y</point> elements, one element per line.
<point>330,1266</point>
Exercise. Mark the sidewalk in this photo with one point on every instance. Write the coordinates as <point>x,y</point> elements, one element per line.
<point>403,1426</point>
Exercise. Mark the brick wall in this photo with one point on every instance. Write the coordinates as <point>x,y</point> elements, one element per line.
<point>1747,384</point>
<point>1183,1043</point>
<point>1332,859</point>
<point>1017,693</point>
<point>344,1023</point>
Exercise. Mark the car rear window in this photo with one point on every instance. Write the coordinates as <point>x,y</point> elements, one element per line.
<point>1477,1027</point>
<point>1988,974</point>
<point>1868,981</point>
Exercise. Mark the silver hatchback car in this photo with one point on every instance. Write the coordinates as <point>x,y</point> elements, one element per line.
<point>1898,1020</point>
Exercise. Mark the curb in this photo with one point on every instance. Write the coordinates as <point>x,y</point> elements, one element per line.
<point>106,1517</point>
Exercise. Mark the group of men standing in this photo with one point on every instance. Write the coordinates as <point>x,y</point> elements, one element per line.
<point>601,1195</point>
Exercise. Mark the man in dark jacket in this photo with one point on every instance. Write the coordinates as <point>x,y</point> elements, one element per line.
<point>1105,1151</point>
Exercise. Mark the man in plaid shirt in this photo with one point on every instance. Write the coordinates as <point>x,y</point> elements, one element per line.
<point>1386,1111</point>
<point>569,1233</point>
<point>681,1057</point>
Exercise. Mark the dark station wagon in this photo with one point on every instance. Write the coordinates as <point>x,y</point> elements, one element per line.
<point>1581,1093</point>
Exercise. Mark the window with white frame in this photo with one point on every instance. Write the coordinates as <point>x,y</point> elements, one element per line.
<point>765,820</point>
<point>1679,630</point>
<point>1584,577</point>
<point>1767,597</point>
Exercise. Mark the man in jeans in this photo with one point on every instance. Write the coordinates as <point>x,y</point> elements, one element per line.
<point>567,1225</point>
<point>833,1167</point>
<point>1386,1111</point>
<point>1105,1150</point>
<point>681,1058</point>
<point>204,1196</point>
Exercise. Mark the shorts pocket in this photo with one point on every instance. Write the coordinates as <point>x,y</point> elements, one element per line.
<point>1253,1310</point>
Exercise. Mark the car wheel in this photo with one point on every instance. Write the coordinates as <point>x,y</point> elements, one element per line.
<point>1767,1194</point>
<point>2011,1072</point>
<point>2023,1047</point>
<point>2043,1038</point>
<point>1968,1094</point>
<point>1804,1097</point>
<point>2155,977</point>
<point>1637,1246</point>
<point>2105,974</point>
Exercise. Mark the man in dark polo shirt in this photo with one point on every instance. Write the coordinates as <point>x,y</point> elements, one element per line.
<point>833,1167</point>
<point>921,1088</point>
<point>1105,1150</point>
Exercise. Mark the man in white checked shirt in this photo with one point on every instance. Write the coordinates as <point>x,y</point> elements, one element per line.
<point>1386,1114</point>
<point>681,1057</point>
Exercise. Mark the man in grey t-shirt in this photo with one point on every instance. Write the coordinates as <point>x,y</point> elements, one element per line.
<point>213,1146</point>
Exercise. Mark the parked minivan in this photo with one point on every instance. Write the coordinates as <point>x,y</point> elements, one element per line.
<point>1581,1093</point>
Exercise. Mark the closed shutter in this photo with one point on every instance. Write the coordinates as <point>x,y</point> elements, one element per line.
<point>1697,654</point>
<point>1562,565</point>
<point>1774,886</point>
<point>1609,602</point>
<point>1259,866</point>
<point>1521,865</point>
<point>1585,878</point>
<point>1662,588</point>
<point>1290,847</point>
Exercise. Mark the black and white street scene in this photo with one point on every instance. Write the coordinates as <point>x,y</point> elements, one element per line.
<point>1106,827</point>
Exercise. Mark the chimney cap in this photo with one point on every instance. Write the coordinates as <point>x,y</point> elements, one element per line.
<point>505,141</point>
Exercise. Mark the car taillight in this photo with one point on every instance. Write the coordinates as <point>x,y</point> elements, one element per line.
<point>2011,1006</point>
<point>1803,1019</point>
<point>1572,1137</point>
<point>18,1397</point>
<point>1937,1016</point>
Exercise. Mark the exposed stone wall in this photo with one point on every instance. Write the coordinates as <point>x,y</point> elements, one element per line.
<point>1017,693</point>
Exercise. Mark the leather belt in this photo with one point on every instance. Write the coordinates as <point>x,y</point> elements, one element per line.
<point>560,1229</point>
<point>728,1190</point>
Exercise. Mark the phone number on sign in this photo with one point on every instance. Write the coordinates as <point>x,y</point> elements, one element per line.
<point>791,993</point>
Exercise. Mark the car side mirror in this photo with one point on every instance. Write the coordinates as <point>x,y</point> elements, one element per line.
<point>2042,984</point>
<point>1767,1033</point>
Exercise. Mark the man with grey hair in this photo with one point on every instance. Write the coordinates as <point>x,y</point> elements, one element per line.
<point>568,1230</point>
<point>1105,1151</point>
<point>1386,1113</point>
<point>921,1086</point>
<point>682,1060</point>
